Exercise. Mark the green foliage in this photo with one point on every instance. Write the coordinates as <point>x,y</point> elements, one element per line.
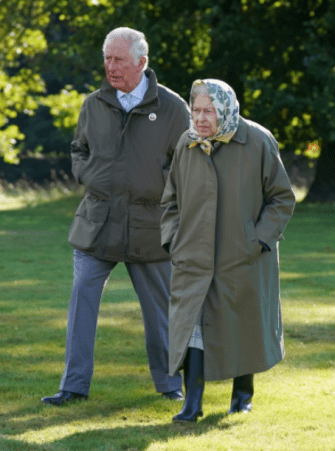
<point>21,39</point>
<point>17,96</point>
<point>65,107</point>
<point>55,36</point>
<point>278,56</point>
<point>282,62</point>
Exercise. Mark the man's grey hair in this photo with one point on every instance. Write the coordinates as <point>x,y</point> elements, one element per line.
<point>138,44</point>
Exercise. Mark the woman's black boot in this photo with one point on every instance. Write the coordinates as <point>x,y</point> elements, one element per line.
<point>243,390</point>
<point>194,386</point>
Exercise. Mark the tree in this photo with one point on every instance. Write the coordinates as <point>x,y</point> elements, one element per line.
<point>21,38</point>
<point>48,48</point>
<point>280,58</point>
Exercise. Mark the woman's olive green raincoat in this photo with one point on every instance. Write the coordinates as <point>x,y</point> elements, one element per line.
<point>217,209</point>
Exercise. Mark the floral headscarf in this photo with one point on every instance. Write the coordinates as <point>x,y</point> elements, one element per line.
<point>227,108</point>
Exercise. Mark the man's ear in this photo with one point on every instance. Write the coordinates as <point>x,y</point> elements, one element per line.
<point>141,63</point>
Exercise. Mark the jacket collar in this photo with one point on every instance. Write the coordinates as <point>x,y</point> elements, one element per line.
<point>149,103</point>
<point>241,132</point>
<point>139,91</point>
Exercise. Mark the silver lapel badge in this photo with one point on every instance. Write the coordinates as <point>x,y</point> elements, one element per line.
<point>152,116</point>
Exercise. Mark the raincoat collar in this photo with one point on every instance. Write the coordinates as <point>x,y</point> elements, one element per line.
<point>241,132</point>
<point>240,136</point>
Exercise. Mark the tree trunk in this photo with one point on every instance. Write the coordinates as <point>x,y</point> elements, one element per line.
<point>323,187</point>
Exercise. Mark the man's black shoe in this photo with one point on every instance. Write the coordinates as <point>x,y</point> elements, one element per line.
<point>176,395</point>
<point>63,396</point>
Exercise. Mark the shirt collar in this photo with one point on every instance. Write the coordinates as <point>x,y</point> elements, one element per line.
<point>151,101</point>
<point>139,91</point>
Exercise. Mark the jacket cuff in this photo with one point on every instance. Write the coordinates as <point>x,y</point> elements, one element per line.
<point>166,247</point>
<point>265,247</point>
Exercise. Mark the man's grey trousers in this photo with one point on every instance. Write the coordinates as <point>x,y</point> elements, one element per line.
<point>151,282</point>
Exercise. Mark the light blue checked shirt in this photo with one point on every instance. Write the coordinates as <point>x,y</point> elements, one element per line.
<point>137,94</point>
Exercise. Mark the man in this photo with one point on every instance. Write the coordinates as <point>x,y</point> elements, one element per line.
<point>121,153</point>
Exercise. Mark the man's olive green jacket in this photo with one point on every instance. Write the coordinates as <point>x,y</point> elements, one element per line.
<point>123,161</point>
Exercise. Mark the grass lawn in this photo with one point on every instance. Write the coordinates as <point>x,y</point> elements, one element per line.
<point>294,403</point>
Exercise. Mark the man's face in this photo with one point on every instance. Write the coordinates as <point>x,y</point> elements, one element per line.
<point>121,71</point>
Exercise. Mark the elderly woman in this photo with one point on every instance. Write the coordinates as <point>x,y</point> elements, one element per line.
<point>227,201</point>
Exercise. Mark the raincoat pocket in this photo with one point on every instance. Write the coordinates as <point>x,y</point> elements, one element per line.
<point>253,246</point>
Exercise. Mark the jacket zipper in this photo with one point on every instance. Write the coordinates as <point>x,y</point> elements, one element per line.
<point>124,121</point>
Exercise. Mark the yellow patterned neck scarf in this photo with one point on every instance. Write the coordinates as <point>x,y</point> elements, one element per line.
<point>206,144</point>
<point>226,104</point>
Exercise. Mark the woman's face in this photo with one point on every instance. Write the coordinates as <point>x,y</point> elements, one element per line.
<point>204,116</point>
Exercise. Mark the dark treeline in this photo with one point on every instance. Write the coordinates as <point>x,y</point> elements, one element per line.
<point>278,56</point>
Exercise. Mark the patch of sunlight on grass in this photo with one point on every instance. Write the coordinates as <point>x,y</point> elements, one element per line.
<point>316,316</point>
<point>21,198</point>
<point>12,203</point>
<point>125,307</point>
<point>122,370</point>
<point>47,312</point>
<point>56,433</point>
<point>35,310</point>
<point>120,285</point>
<point>323,304</point>
<point>291,275</point>
<point>49,368</point>
<point>58,323</point>
<point>300,193</point>
<point>117,315</point>
<point>20,283</point>
<point>118,321</point>
<point>296,275</point>
<point>38,349</point>
<point>27,232</point>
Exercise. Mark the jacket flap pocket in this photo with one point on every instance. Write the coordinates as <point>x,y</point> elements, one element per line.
<point>93,209</point>
<point>145,216</point>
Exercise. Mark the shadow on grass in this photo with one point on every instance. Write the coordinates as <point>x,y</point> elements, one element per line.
<point>314,212</point>
<point>132,437</point>
<point>310,345</point>
<point>311,332</point>
<point>312,361</point>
